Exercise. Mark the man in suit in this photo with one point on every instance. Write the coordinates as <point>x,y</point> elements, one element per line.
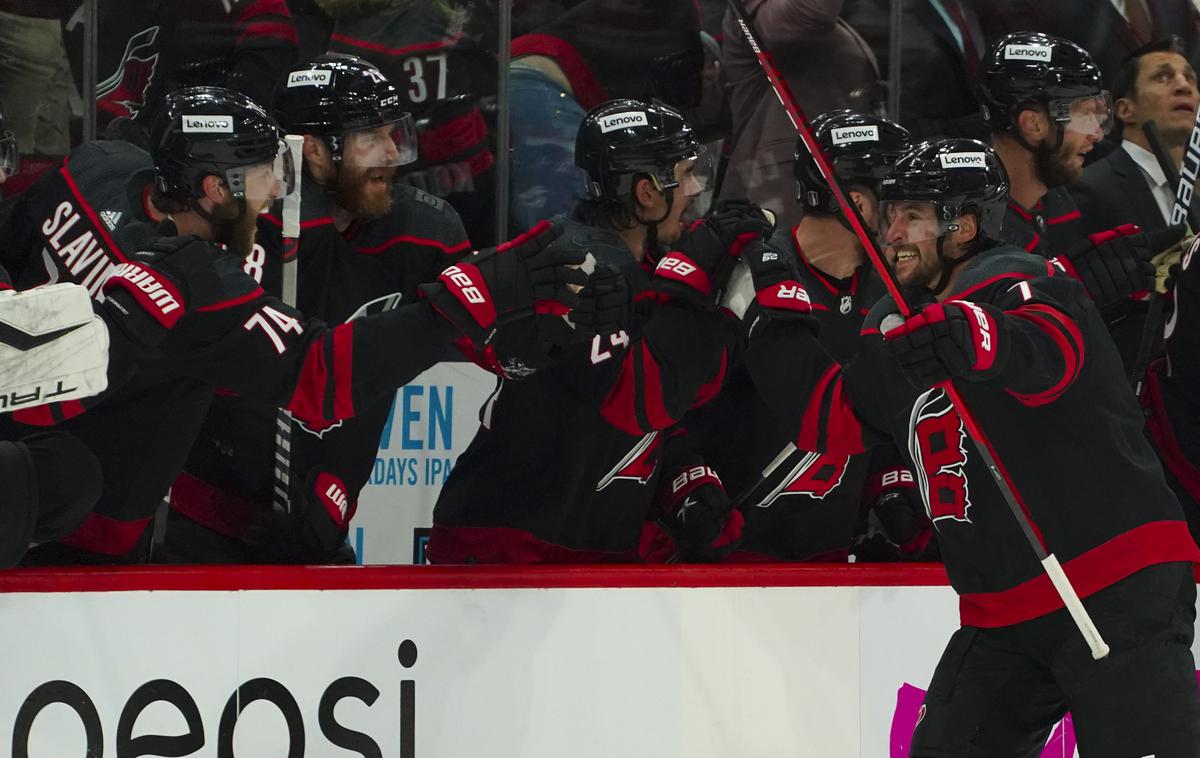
<point>1157,83</point>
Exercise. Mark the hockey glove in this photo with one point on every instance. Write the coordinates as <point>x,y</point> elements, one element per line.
<point>699,268</point>
<point>1116,265</point>
<point>605,304</point>
<point>950,340</point>
<point>518,278</point>
<point>767,286</point>
<point>693,518</point>
<point>314,532</point>
<point>894,525</point>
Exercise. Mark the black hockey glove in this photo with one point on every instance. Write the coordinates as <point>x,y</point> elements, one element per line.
<point>694,520</point>
<point>893,524</point>
<point>699,266</point>
<point>518,278</point>
<point>950,340</point>
<point>605,304</point>
<point>766,287</point>
<point>1115,265</point>
<point>314,532</point>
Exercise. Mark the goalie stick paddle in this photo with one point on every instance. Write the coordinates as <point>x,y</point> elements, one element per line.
<point>800,121</point>
<point>291,248</point>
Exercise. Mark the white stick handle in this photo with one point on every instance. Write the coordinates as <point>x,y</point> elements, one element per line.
<point>1074,605</point>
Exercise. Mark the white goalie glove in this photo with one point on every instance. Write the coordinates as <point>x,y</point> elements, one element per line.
<point>52,347</point>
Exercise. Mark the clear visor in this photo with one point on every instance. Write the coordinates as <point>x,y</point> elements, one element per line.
<point>265,182</point>
<point>694,175</point>
<point>388,145</point>
<point>10,159</point>
<point>905,222</point>
<point>1091,115</point>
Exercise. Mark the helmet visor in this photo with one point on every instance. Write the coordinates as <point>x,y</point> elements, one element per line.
<point>263,183</point>
<point>1089,115</point>
<point>393,144</point>
<point>907,222</point>
<point>693,174</point>
<point>10,159</point>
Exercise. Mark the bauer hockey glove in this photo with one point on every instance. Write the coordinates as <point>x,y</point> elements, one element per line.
<point>765,287</point>
<point>699,267</point>
<point>950,340</point>
<point>694,520</point>
<point>893,524</point>
<point>518,278</point>
<point>1116,265</point>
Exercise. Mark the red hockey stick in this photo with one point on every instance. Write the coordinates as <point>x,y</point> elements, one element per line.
<point>800,121</point>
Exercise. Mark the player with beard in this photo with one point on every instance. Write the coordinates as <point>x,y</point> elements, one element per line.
<point>565,464</point>
<point>807,507</point>
<point>186,320</point>
<point>1028,353</point>
<point>1046,107</point>
<point>363,240</point>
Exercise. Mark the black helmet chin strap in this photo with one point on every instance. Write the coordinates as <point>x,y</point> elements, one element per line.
<point>652,224</point>
<point>948,265</point>
<point>221,226</point>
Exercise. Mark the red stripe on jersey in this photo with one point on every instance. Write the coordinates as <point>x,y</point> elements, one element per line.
<point>843,433</point>
<point>652,392</point>
<point>1066,337</point>
<point>537,229</point>
<point>414,240</point>
<point>308,399</point>
<point>223,512</point>
<point>343,370</point>
<point>618,405</point>
<point>452,137</point>
<point>1100,567</point>
<point>1165,441</point>
<point>1033,243</point>
<point>710,388</point>
<point>1063,218</point>
<point>5,286</point>
<point>100,228</point>
<point>450,41</point>
<point>809,434</point>
<point>264,8</point>
<point>106,535</point>
<point>280,30</point>
<point>964,295</point>
<point>1012,206</point>
<point>307,224</point>
<point>232,302</point>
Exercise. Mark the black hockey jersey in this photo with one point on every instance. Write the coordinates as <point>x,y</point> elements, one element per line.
<point>566,461</point>
<point>222,331</point>
<point>806,508</point>
<point>1047,229</point>
<point>1060,420</point>
<point>229,474</point>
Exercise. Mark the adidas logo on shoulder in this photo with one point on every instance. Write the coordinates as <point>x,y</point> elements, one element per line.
<point>111,218</point>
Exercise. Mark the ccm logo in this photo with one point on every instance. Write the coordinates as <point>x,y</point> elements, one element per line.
<point>465,284</point>
<point>316,78</point>
<point>208,124</point>
<point>622,120</point>
<point>1027,52</point>
<point>963,160</point>
<point>851,134</point>
<point>678,265</point>
<point>691,475</point>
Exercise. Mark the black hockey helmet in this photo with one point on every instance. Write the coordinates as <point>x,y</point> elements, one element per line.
<point>10,158</point>
<point>861,148</point>
<point>957,176</point>
<point>335,95</point>
<point>206,131</point>
<point>621,141</point>
<point>1029,69</point>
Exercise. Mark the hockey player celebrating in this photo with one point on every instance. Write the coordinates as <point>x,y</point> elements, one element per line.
<point>566,461</point>
<point>806,508</point>
<point>186,320</point>
<point>362,240</point>
<point>1047,108</point>
<point>1030,357</point>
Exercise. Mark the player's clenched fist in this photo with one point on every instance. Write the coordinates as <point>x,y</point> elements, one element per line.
<point>699,266</point>
<point>956,339</point>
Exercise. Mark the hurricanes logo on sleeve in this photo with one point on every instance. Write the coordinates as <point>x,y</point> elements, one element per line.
<point>814,476</point>
<point>938,445</point>
<point>124,92</point>
<point>637,465</point>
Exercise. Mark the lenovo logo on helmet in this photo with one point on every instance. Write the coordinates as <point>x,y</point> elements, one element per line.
<point>622,121</point>
<point>320,77</point>
<point>208,124</point>
<point>1040,53</point>
<point>850,134</point>
<point>963,160</point>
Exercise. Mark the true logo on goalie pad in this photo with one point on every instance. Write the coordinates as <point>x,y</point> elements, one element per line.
<point>1038,53</point>
<point>622,121</point>
<point>212,124</point>
<point>851,134</point>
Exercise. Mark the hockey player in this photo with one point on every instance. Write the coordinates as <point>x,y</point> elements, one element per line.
<point>566,461</point>
<point>1047,108</point>
<point>1032,360</point>
<point>186,319</point>
<point>362,240</point>
<point>807,507</point>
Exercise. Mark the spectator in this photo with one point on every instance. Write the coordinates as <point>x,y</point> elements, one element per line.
<point>941,44</point>
<point>826,64</point>
<point>597,50</point>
